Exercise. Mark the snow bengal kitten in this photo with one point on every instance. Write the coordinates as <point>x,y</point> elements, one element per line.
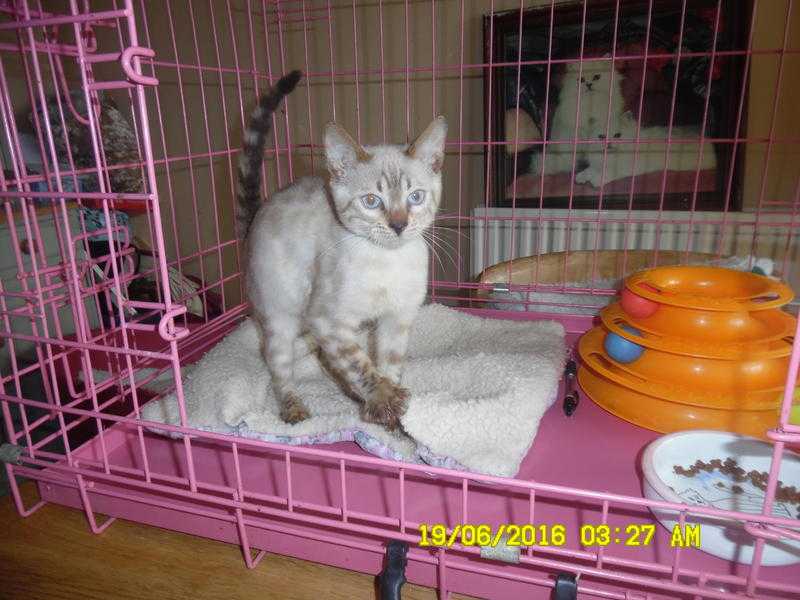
<point>328,257</point>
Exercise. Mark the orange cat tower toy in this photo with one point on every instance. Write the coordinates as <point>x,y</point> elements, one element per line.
<point>691,347</point>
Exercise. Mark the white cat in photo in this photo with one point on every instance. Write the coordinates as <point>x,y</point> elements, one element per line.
<point>597,85</point>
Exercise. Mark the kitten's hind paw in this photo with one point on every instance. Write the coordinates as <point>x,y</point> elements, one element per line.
<point>388,403</point>
<point>293,410</point>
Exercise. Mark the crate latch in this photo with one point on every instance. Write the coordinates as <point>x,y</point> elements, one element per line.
<point>167,329</point>
<point>131,71</point>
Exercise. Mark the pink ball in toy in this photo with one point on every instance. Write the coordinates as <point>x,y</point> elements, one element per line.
<point>637,306</point>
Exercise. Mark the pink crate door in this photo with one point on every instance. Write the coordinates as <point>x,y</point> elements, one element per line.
<point>69,325</point>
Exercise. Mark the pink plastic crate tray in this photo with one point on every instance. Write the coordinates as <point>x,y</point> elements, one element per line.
<point>592,450</point>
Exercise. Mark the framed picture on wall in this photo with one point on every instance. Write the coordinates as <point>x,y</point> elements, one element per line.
<point>653,93</point>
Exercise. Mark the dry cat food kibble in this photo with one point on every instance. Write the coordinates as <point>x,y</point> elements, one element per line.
<point>730,467</point>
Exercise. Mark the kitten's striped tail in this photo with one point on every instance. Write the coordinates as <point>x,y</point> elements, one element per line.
<point>252,156</point>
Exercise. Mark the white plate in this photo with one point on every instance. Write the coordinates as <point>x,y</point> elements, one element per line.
<point>724,538</point>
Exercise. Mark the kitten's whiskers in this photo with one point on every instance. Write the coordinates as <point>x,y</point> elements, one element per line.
<point>336,244</point>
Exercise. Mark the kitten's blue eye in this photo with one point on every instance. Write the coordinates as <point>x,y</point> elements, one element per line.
<point>371,201</point>
<point>416,197</point>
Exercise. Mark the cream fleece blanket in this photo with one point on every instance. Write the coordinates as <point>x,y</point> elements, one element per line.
<point>479,388</point>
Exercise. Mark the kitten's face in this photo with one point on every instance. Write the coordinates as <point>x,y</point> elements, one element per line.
<point>387,199</point>
<point>386,194</point>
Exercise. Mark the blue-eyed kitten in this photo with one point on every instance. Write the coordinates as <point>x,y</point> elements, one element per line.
<point>327,256</point>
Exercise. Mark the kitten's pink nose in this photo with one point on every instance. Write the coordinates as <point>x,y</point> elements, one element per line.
<point>398,226</point>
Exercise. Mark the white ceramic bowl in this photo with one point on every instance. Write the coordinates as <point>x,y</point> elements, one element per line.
<point>724,538</point>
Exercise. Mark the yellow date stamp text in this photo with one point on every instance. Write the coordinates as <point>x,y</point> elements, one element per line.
<point>439,535</point>
<point>635,534</point>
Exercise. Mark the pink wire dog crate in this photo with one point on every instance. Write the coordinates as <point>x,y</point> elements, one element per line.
<point>80,354</point>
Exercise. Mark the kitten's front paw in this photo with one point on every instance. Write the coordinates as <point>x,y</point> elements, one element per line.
<point>388,403</point>
<point>293,410</point>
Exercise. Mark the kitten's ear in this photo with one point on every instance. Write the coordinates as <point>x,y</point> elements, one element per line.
<point>429,146</point>
<point>341,151</point>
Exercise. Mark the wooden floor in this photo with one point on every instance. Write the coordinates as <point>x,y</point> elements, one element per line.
<point>53,555</point>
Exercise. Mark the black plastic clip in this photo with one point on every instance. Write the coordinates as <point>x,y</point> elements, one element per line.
<point>393,576</point>
<point>571,398</point>
<point>566,587</point>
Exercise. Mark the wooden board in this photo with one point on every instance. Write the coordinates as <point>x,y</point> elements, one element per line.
<point>52,555</point>
<point>559,268</point>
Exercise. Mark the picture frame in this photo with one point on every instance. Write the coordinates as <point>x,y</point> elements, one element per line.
<point>703,172</point>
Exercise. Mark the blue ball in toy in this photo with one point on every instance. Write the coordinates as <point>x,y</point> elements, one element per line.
<point>621,349</point>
